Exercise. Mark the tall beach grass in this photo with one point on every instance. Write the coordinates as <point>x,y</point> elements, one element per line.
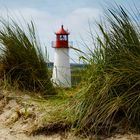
<point>22,60</point>
<point>110,99</point>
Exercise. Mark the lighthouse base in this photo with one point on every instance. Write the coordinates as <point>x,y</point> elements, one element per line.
<point>61,72</point>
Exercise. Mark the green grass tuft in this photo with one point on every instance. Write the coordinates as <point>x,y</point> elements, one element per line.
<point>110,98</point>
<point>22,59</point>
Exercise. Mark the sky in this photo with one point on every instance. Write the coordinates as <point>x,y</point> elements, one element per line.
<point>49,15</point>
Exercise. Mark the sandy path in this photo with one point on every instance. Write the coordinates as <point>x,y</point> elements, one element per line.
<point>15,131</point>
<point>8,134</point>
<point>125,137</point>
<point>13,127</point>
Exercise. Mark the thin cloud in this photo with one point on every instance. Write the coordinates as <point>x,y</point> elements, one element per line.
<point>76,21</point>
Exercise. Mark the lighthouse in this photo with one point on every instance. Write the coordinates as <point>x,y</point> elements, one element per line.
<point>61,70</point>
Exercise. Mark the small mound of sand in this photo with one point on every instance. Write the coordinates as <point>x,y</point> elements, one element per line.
<point>19,119</point>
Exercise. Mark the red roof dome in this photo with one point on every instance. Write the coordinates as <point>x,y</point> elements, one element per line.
<point>62,31</point>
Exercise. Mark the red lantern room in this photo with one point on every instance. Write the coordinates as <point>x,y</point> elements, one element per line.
<point>61,38</point>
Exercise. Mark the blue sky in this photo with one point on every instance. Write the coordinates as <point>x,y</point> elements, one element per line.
<point>50,14</point>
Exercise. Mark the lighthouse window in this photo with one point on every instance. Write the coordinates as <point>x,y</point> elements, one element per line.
<point>63,37</point>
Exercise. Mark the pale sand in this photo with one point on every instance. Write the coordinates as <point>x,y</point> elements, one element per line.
<point>14,128</point>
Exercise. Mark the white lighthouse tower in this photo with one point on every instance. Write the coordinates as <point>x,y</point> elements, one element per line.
<point>61,71</point>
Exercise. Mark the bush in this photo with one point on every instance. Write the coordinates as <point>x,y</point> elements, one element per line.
<point>111,96</point>
<point>22,59</point>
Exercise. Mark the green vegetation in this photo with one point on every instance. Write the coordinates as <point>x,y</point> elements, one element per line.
<point>22,61</point>
<point>77,75</point>
<point>110,99</point>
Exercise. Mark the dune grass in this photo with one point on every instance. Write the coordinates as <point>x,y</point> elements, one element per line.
<point>22,60</point>
<point>110,99</point>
